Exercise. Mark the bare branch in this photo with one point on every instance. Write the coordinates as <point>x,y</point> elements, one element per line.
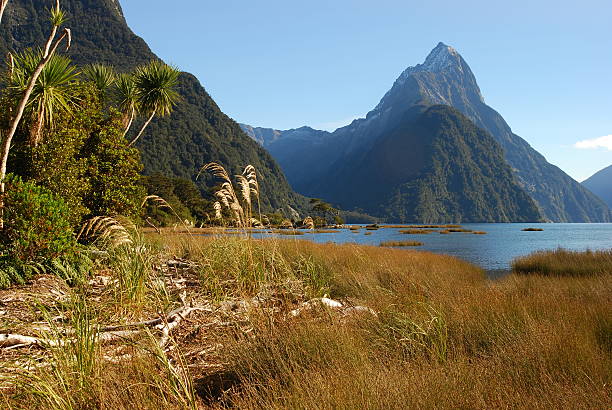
<point>3,4</point>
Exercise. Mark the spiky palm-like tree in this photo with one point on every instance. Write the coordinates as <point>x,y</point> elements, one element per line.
<point>52,93</point>
<point>57,19</point>
<point>102,76</point>
<point>156,91</point>
<point>127,99</point>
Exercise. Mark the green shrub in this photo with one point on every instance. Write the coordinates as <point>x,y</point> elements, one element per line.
<point>36,231</point>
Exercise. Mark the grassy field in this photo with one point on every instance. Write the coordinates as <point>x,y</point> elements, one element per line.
<point>293,324</point>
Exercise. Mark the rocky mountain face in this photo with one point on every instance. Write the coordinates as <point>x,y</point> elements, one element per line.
<point>178,146</point>
<point>433,166</point>
<point>600,184</point>
<point>443,79</point>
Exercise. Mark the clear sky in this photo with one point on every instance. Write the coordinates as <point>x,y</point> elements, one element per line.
<point>545,65</point>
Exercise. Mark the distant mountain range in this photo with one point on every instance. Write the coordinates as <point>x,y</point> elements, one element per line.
<point>600,184</point>
<point>195,134</point>
<point>331,165</point>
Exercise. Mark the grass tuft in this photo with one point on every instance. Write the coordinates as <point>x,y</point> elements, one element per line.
<point>401,243</point>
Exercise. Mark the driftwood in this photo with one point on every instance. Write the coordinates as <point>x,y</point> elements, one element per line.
<point>331,304</point>
<point>107,334</point>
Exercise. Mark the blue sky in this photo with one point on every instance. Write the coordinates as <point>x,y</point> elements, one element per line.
<point>546,66</point>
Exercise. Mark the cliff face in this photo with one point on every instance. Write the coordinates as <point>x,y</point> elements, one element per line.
<point>195,134</point>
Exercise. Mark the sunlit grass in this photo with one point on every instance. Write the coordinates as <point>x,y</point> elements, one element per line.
<point>438,335</point>
<point>563,262</point>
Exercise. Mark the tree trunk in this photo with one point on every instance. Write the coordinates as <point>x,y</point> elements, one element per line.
<point>128,124</point>
<point>145,125</point>
<point>36,130</point>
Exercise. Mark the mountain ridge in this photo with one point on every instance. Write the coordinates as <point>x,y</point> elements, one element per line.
<point>445,78</point>
<point>600,183</point>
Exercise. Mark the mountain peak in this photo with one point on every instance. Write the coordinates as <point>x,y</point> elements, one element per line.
<point>439,58</point>
<point>443,62</point>
<point>442,58</point>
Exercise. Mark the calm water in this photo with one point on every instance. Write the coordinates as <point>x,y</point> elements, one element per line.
<point>493,251</point>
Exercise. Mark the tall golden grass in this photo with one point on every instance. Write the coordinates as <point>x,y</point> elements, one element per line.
<point>442,336</point>
<point>562,262</point>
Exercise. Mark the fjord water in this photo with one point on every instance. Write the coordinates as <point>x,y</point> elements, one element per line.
<point>494,251</point>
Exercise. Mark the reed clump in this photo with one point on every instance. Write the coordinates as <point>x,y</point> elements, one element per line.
<point>401,243</point>
<point>416,231</point>
<point>433,226</point>
<point>287,232</point>
<point>562,262</point>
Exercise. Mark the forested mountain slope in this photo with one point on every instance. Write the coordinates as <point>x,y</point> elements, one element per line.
<point>196,133</point>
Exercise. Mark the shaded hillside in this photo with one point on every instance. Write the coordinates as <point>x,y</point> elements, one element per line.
<point>600,184</point>
<point>301,152</point>
<point>196,133</point>
<point>434,166</point>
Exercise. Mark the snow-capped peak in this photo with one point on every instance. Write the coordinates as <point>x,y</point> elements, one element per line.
<point>440,57</point>
<point>438,60</point>
<point>444,60</point>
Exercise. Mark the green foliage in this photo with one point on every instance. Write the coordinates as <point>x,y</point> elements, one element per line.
<point>84,160</point>
<point>182,195</point>
<point>275,219</point>
<point>58,16</point>
<point>36,230</point>
<point>155,87</point>
<point>102,76</point>
<point>53,92</point>
<point>324,213</point>
<point>113,171</point>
